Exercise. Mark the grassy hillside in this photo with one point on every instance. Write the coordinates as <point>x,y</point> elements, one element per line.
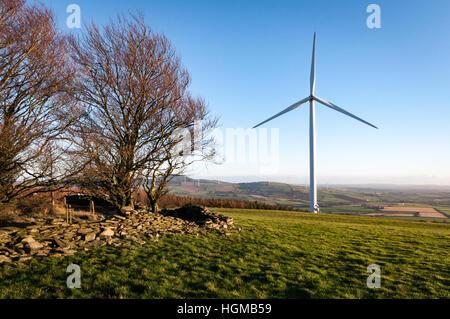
<point>277,255</point>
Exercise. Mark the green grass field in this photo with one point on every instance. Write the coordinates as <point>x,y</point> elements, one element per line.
<point>277,255</point>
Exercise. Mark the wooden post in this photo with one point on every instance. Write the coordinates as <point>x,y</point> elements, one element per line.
<point>53,201</point>
<point>69,213</point>
<point>92,207</point>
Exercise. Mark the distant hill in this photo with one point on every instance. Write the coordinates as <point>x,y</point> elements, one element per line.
<point>274,193</point>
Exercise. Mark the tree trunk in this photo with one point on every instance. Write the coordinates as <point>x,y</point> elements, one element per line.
<point>130,201</point>
<point>154,205</point>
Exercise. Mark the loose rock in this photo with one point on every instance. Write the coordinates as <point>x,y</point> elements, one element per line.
<point>108,232</point>
<point>90,237</point>
<point>4,259</point>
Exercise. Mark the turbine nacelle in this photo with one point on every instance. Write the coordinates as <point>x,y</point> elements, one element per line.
<point>312,98</point>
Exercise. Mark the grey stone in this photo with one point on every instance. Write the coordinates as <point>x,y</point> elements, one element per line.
<point>24,258</point>
<point>84,231</point>
<point>65,251</point>
<point>59,242</point>
<point>30,243</point>
<point>108,232</point>
<point>90,236</point>
<point>4,259</point>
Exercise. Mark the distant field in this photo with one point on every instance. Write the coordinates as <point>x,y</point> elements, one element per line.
<point>420,211</point>
<point>277,255</point>
<point>427,214</point>
<point>409,209</point>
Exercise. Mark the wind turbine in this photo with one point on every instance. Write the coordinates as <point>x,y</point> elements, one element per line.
<point>313,206</point>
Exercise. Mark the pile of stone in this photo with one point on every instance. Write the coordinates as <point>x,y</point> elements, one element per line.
<point>202,216</point>
<point>54,237</point>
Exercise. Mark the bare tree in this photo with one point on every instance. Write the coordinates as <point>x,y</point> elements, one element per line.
<point>187,139</point>
<point>134,91</point>
<point>35,105</point>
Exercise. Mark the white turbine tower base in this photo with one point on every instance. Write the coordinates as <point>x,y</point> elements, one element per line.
<point>313,205</point>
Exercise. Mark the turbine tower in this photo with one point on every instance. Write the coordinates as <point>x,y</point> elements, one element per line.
<point>313,206</point>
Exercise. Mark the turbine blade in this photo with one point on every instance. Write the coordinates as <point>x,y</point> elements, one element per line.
<point>313,67</point>
<point>337,108</point>
<point>290,108</point>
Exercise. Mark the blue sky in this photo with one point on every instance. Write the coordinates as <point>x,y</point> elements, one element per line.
<point>251,59</point>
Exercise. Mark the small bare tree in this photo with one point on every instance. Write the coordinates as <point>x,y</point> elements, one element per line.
<point>187,140</point>
<point>36,105</point>
<point>134,91</point>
